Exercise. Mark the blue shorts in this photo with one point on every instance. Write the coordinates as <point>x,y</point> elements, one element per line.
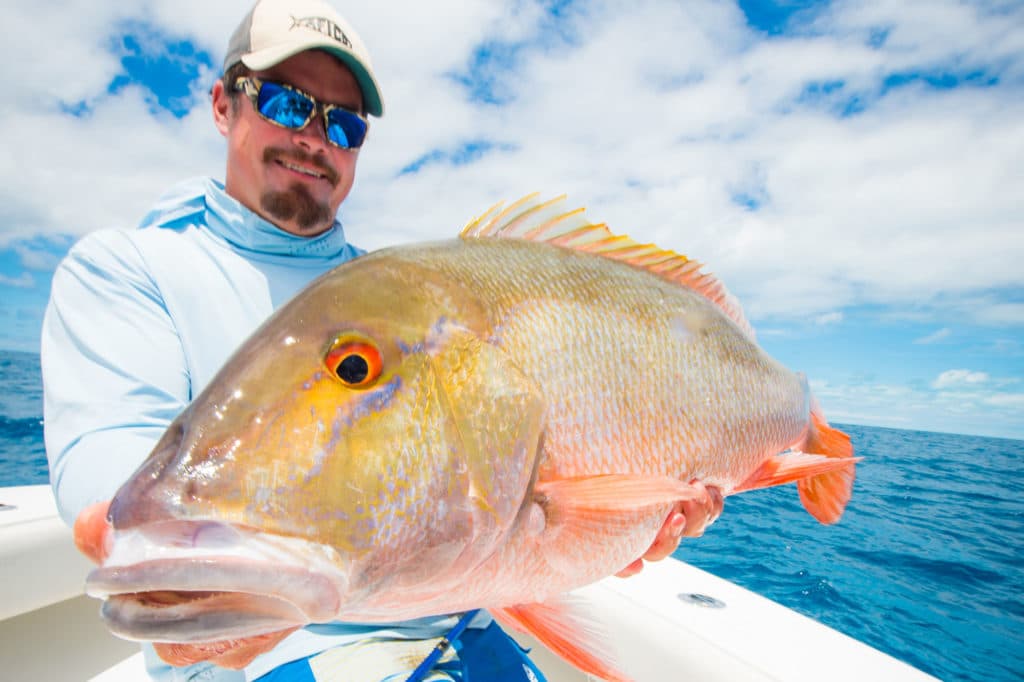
<point>480,655</point>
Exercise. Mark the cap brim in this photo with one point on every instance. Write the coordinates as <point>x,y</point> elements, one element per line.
<point>372,101</point>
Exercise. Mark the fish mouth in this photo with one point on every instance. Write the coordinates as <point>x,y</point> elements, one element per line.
<point>254,585</point>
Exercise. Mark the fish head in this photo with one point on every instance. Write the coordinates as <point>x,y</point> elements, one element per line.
<point>366,440</point>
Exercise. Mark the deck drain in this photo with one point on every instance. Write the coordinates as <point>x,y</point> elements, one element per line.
<point>702,600</point>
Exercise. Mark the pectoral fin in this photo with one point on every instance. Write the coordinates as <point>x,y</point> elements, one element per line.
<point>609,499</point>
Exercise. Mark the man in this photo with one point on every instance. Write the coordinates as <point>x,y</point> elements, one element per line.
<point>139,322</point>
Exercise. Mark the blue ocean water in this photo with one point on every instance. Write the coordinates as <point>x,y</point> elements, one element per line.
<point>22,454</point>
<point>927,564</point>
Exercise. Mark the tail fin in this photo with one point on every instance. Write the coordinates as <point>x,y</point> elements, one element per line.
<point>825,496</point>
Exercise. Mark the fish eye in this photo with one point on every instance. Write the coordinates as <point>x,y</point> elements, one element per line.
<point>357,363</point>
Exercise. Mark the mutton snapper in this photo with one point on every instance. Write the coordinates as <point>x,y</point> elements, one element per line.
<point>490,421</point>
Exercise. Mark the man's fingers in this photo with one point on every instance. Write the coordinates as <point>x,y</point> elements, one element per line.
<point>702,511</point>
<point>668,537</point>
<point>90,531</point>
<point>229,653</point>
<point>632,569</point>
<point>241,656</point>
<point>689,519</point>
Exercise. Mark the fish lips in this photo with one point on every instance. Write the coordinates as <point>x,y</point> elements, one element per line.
<point>198,582</point>
<point>206,599</point>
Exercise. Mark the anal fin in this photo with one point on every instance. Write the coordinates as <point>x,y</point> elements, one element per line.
<point>562,626</point>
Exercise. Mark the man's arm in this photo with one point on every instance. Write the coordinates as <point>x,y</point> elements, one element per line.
<point>114,373</point>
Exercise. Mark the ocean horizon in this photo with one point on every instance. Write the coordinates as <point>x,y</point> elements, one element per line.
<point>925,565</point>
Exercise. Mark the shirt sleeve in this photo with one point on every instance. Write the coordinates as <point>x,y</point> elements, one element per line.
<point>114,371</point>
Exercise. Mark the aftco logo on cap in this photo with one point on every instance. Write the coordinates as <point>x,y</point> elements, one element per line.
<point>322,25</point>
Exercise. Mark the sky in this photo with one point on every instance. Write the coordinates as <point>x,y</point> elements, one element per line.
<point>853,171</point>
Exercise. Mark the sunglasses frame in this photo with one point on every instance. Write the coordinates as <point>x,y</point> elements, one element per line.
<point>251,86</point>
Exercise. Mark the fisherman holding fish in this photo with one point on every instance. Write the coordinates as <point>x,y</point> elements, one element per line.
<point>140,322</point>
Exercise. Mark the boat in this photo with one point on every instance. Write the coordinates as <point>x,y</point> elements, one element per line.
<point>671,622</point>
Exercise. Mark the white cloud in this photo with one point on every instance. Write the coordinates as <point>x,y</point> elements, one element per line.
<point>934,337</point>
<point>35,257</point>
<point>1002,313</point>
<point>22,281</point>
<point>961,408</point>
<point>1008,400</point>
<point>653,113</point>
<point>833,317</point>
<point>959,377</point>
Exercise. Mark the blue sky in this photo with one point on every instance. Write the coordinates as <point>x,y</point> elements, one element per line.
<point>851,170</point>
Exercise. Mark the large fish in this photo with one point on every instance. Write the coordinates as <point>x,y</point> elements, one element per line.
<point>489,421</point>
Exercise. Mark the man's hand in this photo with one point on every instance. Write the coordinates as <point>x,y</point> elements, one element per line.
<point>688,519</point>
<point>228,653</point>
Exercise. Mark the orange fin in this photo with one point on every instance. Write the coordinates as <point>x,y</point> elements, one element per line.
<point>824,481</point>
<point>615,511</point>
<point>551,223</point>
<point>792,466</point>
<point>605,498</point>
<point>562,627</point>
<point>825,496</point>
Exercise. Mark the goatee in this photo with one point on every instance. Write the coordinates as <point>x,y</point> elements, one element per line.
<point>297,203</point>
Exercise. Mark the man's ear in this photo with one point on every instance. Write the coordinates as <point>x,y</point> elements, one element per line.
<point>222,107</point>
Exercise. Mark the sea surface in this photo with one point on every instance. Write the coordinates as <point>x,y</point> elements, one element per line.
<point>927,564</point>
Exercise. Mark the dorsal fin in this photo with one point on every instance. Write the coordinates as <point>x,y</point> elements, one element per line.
<point>549,222</point>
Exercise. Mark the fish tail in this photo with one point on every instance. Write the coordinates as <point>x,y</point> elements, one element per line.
<point>822,465</point>
<point>825,495</point>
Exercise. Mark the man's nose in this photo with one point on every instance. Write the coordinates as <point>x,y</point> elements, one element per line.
<point>314,136</point>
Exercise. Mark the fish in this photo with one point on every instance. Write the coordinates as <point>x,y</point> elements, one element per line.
<point>489,421</point>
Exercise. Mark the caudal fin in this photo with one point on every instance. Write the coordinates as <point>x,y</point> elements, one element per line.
<point>823,469</point>
<point>825,496</point>
<point>562,626</point>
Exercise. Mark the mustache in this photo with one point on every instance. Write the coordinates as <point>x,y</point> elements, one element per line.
<point>271,154</point>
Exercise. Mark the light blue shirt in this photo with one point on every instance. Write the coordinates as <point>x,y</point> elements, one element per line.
<point>138,323</point>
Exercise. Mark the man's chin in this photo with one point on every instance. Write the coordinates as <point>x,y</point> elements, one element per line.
<point>295,210</point>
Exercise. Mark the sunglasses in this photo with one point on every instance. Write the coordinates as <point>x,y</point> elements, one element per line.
<point>291,108</point>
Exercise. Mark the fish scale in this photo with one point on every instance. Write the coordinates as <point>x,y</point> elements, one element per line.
<point>570,330</point>
<point>539,393</point>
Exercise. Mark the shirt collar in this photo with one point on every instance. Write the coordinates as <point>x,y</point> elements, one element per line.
<point>204,200</point>
<point>247,231</point>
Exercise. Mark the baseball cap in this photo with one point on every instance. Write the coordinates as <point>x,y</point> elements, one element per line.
<point>274,30</point>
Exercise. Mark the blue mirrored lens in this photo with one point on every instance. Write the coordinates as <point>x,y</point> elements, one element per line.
<point>345,129</point>
<point>285,107</point>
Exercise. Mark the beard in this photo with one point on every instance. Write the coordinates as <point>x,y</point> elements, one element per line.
<point>296,203</point>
